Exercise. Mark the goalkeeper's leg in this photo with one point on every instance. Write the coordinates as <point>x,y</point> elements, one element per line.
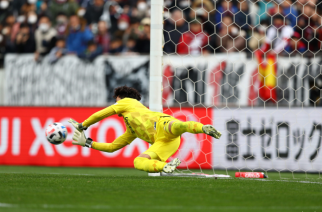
<point>153,159</point>
<point>149,162</point>
<point>167,143</point>
<point>153,165</point>
<point>176,128</point>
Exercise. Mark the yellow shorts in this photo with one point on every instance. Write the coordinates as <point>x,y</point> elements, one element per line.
<point>165,144</point>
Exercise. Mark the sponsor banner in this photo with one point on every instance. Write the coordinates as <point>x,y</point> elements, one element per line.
<point>23,140</point>
<point>208,80</point>
<point>268,139</point>
<point>218,80</point>
<point>235,80</point>
<point>132,71</point>
<point>70,81</point>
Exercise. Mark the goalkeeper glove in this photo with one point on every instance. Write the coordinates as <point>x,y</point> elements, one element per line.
<point>77,125</point>
<point>79,138</point>
<point>210,130</point>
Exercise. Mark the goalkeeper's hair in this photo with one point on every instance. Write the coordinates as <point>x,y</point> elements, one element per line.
<point>126,92</point>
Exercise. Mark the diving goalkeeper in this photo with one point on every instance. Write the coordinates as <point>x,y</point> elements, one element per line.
<point>159,129</point>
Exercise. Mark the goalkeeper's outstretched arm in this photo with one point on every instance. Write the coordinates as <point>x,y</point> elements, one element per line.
<point>96,117</point>
<point>117,144</point>
<point>79,138</point>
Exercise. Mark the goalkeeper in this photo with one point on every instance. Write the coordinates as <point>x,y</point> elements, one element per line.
<point>159,129</point>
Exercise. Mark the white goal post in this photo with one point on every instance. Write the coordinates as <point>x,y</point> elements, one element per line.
<point>260,88</point>
<point>156,52</point>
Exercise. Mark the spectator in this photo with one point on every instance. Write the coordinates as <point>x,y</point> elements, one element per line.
<point>91,52</point>
<point>116,46</point>
<point>2,48</point>
<point>231,39</point>
<point>111,14</point>
<point>242,18</point>
<point>183,5</point>
<point>122,24</point>
<point>82,20</point>
<point>103,37</point>
<point>94,11</point>
<point>258,36</point>
<point>133,30</point>
<point>28,6</point>
<point>42,8</point>
<point>263,7</point>
<point>289,11</point>
<point>68,7</point>
<point>130,47</point>
<point>8,42</point>
<point>10,20</point>
<point>16,5</point>
<point>61,24</point>
<point>193,41</point>
<point>141,10</point>
<point>276,40</point>
<point>78,37</point>
<point>180,4</point>
<point>286,9</point>
<point>32,19</point>
<point>25,42</point>
<point>14,29</point>
<point>9,23</point>
<point>84,3</point>
<point>307,25</point>
<point>277,37</point>
<point>226,8</point>
<point>174,27</point>
<point>81,13</point>
<point>300,3</point>
<point>318,28</point>
<point>204,11</point>
<point>143,41</point>
<point>295,45</point>
<point>58,51</point>
<point>5,9</point>
<point>45,37</point>
<point>20,20</point>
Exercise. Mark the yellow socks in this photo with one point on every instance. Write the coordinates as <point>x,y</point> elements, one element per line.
<point>148,165</point>
<point>177,127</point>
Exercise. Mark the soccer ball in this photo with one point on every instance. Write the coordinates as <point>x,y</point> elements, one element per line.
<point>56,133</point>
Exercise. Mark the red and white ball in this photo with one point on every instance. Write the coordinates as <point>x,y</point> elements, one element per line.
<point>56,133</point>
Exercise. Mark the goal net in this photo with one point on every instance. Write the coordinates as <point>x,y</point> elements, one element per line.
<point>253,70</point>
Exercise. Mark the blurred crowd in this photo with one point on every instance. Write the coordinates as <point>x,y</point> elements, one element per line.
<point>286,26</point>
<point>88,28</point>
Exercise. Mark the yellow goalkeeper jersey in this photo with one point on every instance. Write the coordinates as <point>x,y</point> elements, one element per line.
<point>139,119</point>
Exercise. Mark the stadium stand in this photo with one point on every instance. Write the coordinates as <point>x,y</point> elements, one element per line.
<point>122,26</point>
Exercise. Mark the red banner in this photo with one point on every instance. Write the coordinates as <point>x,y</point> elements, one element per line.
<point>23,140</point>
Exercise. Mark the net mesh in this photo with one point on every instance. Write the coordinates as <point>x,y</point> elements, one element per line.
<point>253,70</point>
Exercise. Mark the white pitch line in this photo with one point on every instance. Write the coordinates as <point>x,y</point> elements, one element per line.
<point>68,174</point>
<point>159,207</point>
<point>289,181</point>
<point>265,180</point>
<point>6,205</point>
<point>43,173</point>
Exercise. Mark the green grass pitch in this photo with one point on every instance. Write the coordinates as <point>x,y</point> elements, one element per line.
<point>37,189</point>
